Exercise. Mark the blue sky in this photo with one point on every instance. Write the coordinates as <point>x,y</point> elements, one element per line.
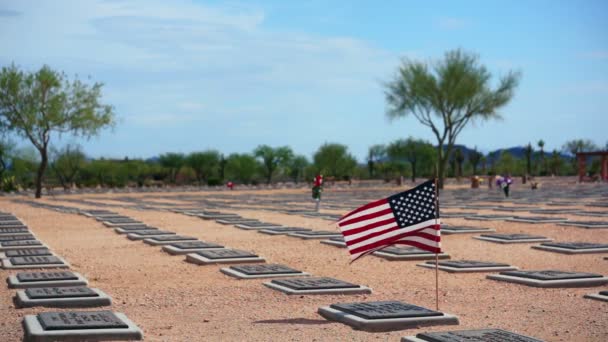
<point>191,75</point>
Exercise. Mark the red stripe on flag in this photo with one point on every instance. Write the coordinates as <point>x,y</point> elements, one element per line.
<point>383,242</point>
<point>365,207</point>
<point>366,217</point>
<point>369,226</point>
<point>431,249</point>
<point>371,235</point>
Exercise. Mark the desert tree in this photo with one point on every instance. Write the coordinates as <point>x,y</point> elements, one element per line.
<point>334,160</point>
<point>297,167</point>
<point>575,146</point>
<point>243,167</point>
<point>38,105</point>
<point>413,151</point>
<point>528,151</point>
<point>272,158</point>
<point>446,96</point>
<point>172,162</point>
<point>543,164</point>
<point>204,164</point>
<point>375,154</point>
<point>475,158</point>
<point>67,163</point>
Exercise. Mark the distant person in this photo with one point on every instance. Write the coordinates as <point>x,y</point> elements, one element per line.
<point>230,185</point>
<point>504,183</point>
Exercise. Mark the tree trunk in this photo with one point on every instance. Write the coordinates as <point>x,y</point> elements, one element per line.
<point>44,160</point>
<point>413,172</point>
<point>440,166</point>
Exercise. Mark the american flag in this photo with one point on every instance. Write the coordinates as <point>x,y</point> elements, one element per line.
<point>408,218</point>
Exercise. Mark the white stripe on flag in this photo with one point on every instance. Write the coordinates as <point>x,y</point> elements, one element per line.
<point>367,222</point>
<point>370,231</point>
<point>367,211</point>
<point>392,233</point>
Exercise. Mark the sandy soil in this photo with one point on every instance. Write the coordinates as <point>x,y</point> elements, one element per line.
<point>172,300</point>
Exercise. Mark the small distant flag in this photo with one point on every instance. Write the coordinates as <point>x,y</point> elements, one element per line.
<point>408,218</point>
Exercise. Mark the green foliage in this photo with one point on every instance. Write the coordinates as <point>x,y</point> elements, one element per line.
<point>297,168</point>
<point>173,162</point>
<point>333,160</point>
<point>273,158</point>
<point>204,164</point>
<point>528,151</point>
<point>8,183</point>
<point>6,149</point>
<point>242,167</point>
<point>506,164</point>
<point>375,154</point>
<point>36,105</point>
<point>447,96</point>
<point>67,164</point>
<point>418,153</point>
<point>475,157</point>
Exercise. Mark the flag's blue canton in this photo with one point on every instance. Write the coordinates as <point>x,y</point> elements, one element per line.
<point>415,205</point>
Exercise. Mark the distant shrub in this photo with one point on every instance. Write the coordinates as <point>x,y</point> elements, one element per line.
<point>214,181</point>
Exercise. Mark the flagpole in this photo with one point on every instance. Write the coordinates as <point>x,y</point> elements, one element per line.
<point>437,254</point>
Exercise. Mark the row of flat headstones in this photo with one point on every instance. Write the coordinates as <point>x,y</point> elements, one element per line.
<point>59,321</point>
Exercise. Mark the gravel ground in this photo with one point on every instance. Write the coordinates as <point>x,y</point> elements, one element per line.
<point>172,300</point>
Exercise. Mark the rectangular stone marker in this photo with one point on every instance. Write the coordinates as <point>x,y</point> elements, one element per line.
<point>37,277</point>
<point>235,220</point>
<point>167,239</point>
<point>385,315</point>
<point>464,230</point>
<point>186,247</point>
<point>283,230</point>
<point>34,262</point>
<point>70,296</point>
<point>602,295</point>
<point>573,247</point>
<point>140,235</point>
<point>407,253</point>
<point>26,252</point>
<point>318,285</point>
<point>83,325</point>
<point>551,278</point>
<point>17,237</point>
<point>20,244</point>
<point>465,266</point>
<point>20,230</point>
<point>489,217</point>
<point>479,335</point>
<point>337,241</point>
<point>133,231</point>
<point>257,225</point>
<point>585,224</point>
<point>537,219</point>
<point>222,256</point>
<point>261,271</point>
<point>457,215</point>
<point>512,238</point>
<point>315,234</point>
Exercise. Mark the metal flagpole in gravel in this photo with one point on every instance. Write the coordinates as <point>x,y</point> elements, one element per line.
<point>437,254</point>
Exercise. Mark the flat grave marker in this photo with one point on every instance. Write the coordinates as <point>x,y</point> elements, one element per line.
<point>550,278</point>
<point>261,271</point>
<point>186,247</point>
<point>394,253</point>
<point>457,214</point>
<point>476,335</point>
<point>25,252</point>
<point>512,238</point>
<point>316,285</point>
<point>489,217</point>
<point>337,241</point>
<point>602,295</point>
<point>126,230</point>
<point>168,239</point>
<point>17,237</point>
<point>45,279</point>
<point>65,296</point>
<point>385,315</point>
<point>315,234</point>
<point>585,224</point>
<point>257,225</point>
<point>34,262</point>
<point>283,230</point>
<point>573,247</point>
<point>464,230</point>
<point>468,266</point>
<point>80,325</point>
<point>140,235</point>
<point>20,244</point>
<point>537,219</point>
<point>222,256</point>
